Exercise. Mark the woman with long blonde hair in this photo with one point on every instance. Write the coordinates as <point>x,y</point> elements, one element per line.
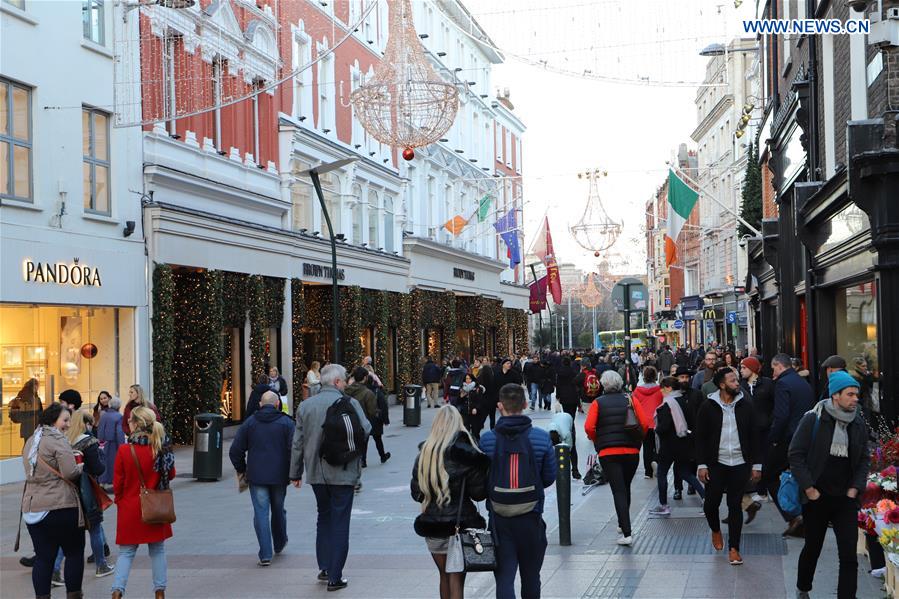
<point>147,456</point>
<point>447,459</point>
<point>136,398</point>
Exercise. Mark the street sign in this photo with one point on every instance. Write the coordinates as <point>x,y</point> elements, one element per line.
<point>638,295</point>
<point>731,317</point>
<point>678,324</point>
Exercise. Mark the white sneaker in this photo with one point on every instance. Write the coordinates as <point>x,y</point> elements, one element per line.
<point>623,540</point>
<point>759,498</point>
<point>879,572</point>
<point>619,530</point>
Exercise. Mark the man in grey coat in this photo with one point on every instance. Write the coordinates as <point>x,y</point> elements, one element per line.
<point>333,485</point>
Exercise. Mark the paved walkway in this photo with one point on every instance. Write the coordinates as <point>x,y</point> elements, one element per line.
<point>213,552</point>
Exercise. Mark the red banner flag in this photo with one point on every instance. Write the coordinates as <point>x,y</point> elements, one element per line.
<point>543,248</point>
<point>538,294</point>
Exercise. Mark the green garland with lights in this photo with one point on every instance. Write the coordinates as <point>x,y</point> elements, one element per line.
<point>517,321</point>
<point>297,311</point>
<point>197,362</point>
<point>163,322</point>
<point>258,355</point>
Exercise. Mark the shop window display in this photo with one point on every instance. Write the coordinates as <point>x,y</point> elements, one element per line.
<point>856,318</point>
<point>46,349</point>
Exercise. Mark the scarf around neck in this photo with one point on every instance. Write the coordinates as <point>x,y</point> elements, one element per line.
<point>839,446</point>
<point>677,414</point>
<point>164,461</point>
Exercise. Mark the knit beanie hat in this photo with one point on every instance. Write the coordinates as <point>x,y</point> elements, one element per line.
<point>838,381</point>
<point>752,364</point>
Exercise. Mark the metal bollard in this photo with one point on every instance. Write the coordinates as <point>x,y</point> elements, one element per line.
<point>563,493</point>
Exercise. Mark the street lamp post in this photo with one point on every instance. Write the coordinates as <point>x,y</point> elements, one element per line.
<point>314,174</point>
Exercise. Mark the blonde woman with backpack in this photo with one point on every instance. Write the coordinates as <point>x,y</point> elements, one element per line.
<point>448,461</point>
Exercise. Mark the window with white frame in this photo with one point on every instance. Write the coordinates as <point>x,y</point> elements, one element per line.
<point>373,206</point>
<point>257,86</point>
<point>93,22</point>
<point>302,82</point>
<point>785,39</point>
<point>388,223</point>
<point>95,167</point>
<point>356,200</point>
<point>15,141</point>
<point>218,74</point>
<point>169,88</point>
<point>518,157</point>
<point>358,132</point>
<point>498,141</point>
<point>20,4</point>
<point>326,106</point>
<point>507,152</point>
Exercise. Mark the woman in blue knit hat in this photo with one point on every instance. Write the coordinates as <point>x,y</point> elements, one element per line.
<point>829,459</point>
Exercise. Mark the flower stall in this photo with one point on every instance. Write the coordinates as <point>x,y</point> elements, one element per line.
<point>879,513</point>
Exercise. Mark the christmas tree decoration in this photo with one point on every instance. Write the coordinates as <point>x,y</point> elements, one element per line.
<point>589,294</point>
<point>595,231</point>
<point>405,104</point>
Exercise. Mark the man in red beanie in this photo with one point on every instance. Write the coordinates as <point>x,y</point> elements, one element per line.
<point>761,390</point>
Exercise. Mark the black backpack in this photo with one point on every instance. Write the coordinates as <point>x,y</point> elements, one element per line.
<point>343,438</point>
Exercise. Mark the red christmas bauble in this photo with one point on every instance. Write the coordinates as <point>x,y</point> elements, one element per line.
<point>408,154</point>
<point>596,254</point>
<point>89,350</point>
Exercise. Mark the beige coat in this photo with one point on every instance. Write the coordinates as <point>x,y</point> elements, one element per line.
<point>45,491</point>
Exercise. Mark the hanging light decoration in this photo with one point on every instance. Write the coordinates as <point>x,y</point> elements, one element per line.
<point>405,104</point>
<point>590,295</point>
<point>595,231</point>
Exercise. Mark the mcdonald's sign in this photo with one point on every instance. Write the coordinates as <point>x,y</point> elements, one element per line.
<point>710,314</point>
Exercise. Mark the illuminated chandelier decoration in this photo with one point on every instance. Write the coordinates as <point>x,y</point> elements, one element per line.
<point>405,104</point>
<point>595,231</point>
<point>590,295</point>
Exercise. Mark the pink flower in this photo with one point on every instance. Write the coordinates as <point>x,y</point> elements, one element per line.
<point>892,516</point>
<point>885,505</point>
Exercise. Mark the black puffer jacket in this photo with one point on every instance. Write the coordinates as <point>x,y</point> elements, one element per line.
<point>462,462</point>
<point>94,466</point>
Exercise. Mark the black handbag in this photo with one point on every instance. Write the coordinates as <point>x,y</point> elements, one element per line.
<point>478,548</point>
<point>632,427</point>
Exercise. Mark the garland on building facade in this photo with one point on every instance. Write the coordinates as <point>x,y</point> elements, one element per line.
<point>517,321</point>
<point>297,311</point>
<point>258,347</point>
<point>197,309</point>
<point>163,322</point>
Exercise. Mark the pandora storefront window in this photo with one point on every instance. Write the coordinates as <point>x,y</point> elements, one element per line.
<point>46,349</point>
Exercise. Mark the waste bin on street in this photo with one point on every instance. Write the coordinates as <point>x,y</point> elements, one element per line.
<point>208,446</point>
<point>412,405</point>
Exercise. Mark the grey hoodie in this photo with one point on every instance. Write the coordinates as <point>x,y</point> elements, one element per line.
<point>305,461</point>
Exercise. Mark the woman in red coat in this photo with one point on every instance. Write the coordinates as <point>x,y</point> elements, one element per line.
<point>154,455</point>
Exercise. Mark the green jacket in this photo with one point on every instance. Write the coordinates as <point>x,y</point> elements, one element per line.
<point>366,399</point>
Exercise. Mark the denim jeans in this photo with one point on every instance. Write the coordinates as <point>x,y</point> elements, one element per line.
<point>157,562</point>
<point>269,499</point>
<point>534,394</point>
<point>682,470</point>
<point>332,535</point>
<point>98,546</point>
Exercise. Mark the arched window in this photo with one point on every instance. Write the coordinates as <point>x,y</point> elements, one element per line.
<point>357,213</point>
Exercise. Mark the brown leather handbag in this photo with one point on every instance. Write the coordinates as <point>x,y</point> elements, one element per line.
<point>157,506</point>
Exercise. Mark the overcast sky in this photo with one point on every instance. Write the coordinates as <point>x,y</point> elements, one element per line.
<point>578,122</point>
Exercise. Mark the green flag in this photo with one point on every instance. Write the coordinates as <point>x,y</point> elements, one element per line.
<point>484,208</point>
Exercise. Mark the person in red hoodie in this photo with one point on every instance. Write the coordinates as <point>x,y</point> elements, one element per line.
<point>617,445</point>
<point>649,395</point>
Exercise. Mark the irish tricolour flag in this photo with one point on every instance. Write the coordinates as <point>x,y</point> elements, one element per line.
<point>681,199</point>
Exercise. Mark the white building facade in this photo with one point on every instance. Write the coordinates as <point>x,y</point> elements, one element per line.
<point>73,296</point>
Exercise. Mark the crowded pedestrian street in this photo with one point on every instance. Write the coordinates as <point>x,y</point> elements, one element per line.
<point>213,550</point>
<point>448,298</point>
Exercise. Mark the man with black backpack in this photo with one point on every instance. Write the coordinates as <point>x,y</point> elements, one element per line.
<point>522,465</point>
<point>328,443</point>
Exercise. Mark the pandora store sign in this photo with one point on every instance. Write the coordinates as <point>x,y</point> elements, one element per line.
<point>61,273</point>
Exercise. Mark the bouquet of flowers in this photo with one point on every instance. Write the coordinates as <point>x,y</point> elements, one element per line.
<point>879,514</point>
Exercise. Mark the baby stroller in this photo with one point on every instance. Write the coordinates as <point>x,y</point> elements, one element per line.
<point>594,477</point>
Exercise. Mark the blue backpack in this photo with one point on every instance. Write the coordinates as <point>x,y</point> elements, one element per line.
<point>788,493</point>
<point>515,483</point>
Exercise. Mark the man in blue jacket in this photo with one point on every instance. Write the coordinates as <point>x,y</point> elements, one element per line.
<point>260,453</point>
<point>520,539</point>
<point>793,397</point>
